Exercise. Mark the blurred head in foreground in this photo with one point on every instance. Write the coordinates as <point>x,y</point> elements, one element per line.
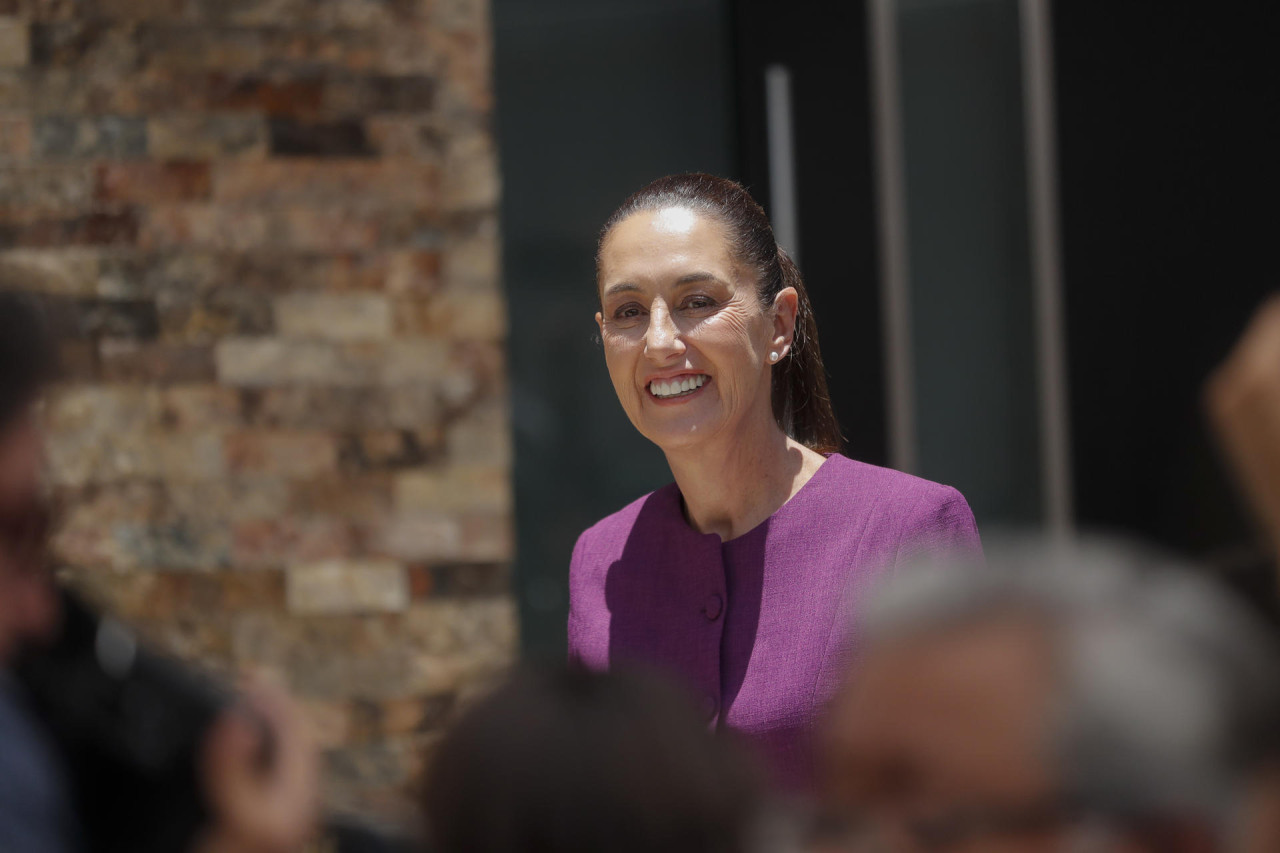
<point>1084,698</point>
<point>27,602</point>
<point>568,761</point>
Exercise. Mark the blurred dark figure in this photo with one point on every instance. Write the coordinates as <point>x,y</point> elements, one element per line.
<point>568,761</point>
<point>1243,401</point>
<point>76,693</point>
<point>1086,699</point>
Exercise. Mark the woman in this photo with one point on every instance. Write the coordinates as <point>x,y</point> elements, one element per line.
<point>737,576</point>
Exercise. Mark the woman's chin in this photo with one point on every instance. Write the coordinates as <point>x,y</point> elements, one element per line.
<point>676,435</point>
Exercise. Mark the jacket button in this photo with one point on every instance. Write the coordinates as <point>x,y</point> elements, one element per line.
<point>713,608</point>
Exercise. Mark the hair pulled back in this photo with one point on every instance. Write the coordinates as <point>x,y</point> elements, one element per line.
<point>801,402</point>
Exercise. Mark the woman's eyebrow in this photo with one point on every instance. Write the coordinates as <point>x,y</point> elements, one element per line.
<point>621,287</point>
<point>694,277</point>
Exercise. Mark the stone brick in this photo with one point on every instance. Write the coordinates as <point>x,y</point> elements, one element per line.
<point>190,406</point>
<point>62,137</point>
<point>479,628</point>
<point>325,229</point>
<point>333,317</point>
<point>347,586</point>
<point>353,184</point>
<point>92,229</point>
<point>277,542</point>
<point>455,488</point>
<point>308,13</point>
<point>232,498</point>
<point>487,538</point>
<point>413,405</point>
<point>205,226</point>
<point>413,273</point>
<point>417,536</point>
<point>104,452</point>
<point>125,318</point>
<point>292,138</point>
<point>146,182</point>
<point>376,778</point>
<point>201,136</point>
<point>66,271</point>
<point>15,43</point>
<point>208,315</point>
<point>363,499</point>
<point>380,93</point>
<point>126,360</point>
<point>328,656</point>
<point>465,15</point>
<point>15,139</point>
<point>409,136</point>
<point>408,361</point>
<point>130,525</point>
<point>159,275</point>
<point>271,96</point>
<point>329,721</point>
<point>267,362</point>
<point>459,580</point>
<point>92,46</point>
<point>471,258</point>
<point>45,189</point>
<point>291,454</point>
<point>388,450</point>
<point>465,96</point>
<point>470,173</point>
<point>458,316</point>
<point>482,435</point>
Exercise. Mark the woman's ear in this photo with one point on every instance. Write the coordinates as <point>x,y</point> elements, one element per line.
<point>786,305</point>
<point>600,322</point>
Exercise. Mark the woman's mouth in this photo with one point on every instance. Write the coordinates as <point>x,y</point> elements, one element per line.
<point>679,386</point>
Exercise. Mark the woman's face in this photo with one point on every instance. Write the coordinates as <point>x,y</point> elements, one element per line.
<point>686,339</point>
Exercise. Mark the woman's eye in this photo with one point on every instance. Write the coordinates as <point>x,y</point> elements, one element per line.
<point>627,312</point>
<point>697,302</point>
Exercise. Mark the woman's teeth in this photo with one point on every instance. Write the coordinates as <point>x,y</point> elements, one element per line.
<point>677,387</point>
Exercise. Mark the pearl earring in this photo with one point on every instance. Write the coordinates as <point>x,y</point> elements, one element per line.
<point>773,356</point>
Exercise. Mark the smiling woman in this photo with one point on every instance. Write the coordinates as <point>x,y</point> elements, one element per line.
<point>736,578</point>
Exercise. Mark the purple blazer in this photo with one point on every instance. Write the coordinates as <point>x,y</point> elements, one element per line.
<point>758,626</point>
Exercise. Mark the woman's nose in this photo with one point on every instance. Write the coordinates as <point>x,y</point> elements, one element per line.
<point>662,338</point>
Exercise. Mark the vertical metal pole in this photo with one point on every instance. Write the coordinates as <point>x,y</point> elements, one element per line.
<point>782,160</point>
<point>1046,264</point>
<point>895,283</point>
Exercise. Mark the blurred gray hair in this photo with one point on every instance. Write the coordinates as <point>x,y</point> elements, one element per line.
<point>1168,687</point>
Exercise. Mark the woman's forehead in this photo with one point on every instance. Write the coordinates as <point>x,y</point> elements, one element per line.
<point>664,242</point>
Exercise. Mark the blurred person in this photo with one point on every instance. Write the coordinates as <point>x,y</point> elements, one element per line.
<point>256,802</point>
<point>564,760</point>
<point>1243,401</point>
<point>1094,698</point>
<point>734,577</point>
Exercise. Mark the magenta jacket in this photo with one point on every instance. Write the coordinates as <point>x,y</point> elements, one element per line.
<point>757,626</point>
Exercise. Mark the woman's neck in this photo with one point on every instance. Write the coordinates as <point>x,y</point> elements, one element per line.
<point>734,485</point>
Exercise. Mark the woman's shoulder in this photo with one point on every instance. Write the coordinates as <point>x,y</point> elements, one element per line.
<point>917,508</point>
<point>865,479</point>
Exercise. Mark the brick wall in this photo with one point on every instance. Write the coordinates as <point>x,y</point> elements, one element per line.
<point>270,227</point>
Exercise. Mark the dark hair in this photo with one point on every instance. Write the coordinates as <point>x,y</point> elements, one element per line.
<point>562,760</point>
<point>801,402</point>
<point>27,360</point>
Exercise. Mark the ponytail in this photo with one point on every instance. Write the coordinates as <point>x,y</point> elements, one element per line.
<point>801,402</point>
